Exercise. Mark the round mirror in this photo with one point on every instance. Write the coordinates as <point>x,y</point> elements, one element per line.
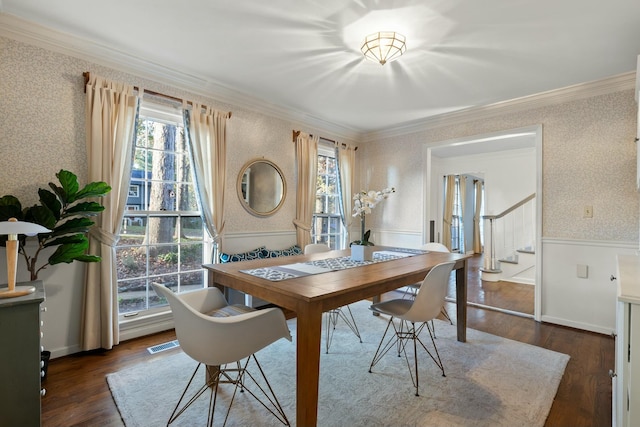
<point>261,187</point>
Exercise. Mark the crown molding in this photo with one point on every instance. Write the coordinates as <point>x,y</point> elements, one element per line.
<point>613,84</point>
<point>31,33</point>
<point>34,34</point>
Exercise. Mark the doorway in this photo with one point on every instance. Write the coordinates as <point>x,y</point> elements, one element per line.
<point>497,158</point>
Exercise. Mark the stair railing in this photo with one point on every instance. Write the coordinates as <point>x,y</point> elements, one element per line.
<point>509,230</point>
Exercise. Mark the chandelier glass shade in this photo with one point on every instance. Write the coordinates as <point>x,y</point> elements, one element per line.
<point>384,46</point>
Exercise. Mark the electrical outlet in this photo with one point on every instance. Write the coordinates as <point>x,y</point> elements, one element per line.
<point>588,212</point>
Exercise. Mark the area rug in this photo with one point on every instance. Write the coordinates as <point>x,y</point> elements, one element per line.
<point>490,381</point>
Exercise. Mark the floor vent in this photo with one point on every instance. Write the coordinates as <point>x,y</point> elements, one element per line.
<point>162,347</point>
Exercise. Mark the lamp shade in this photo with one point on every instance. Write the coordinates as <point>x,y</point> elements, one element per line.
<point>13,226</point>
<point>384,46</point>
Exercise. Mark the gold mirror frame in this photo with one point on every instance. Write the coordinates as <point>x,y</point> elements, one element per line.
<point>254,178</point>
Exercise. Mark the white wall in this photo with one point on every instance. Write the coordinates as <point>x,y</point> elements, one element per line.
<point>583,303</point>
<point>588,159</point>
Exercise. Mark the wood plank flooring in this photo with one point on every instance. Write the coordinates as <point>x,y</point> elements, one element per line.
<point>78,395</point>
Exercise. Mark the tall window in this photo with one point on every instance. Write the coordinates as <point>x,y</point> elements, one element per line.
<point>457,223</point>
<point>327,222</point>
<point>162,238</point>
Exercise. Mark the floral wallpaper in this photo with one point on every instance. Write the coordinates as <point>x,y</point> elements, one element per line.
<point>42,127</point>
<point>588,156</point>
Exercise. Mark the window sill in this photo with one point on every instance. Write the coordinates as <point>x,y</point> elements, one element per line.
<point>143,325</point>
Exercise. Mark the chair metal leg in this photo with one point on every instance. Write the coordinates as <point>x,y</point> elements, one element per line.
<point>332,317</point>
<point>446,314</point>
<point>223,375</point>
<point>401,334</point>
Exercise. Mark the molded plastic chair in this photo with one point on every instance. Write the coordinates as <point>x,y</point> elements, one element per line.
<point>424,308</point>
<point>332,316</point>
<point>215,334</point>
<point>413,289</point>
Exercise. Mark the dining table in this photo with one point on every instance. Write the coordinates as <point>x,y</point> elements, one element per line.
<point>314,291</point>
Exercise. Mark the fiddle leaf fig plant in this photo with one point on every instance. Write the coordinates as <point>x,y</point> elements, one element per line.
<point>65,210</point>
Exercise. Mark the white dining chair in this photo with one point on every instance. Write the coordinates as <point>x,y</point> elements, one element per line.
<point>414,315</point>
<point>412,289</point>
<point>332,316</point>
<point>216,334</point>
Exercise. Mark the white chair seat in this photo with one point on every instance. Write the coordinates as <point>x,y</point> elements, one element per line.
<point>423,309</point>
<point>395,307</point>
<point>215,334</point>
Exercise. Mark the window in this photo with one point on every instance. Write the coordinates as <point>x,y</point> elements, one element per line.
<point>134,191</point>
<point>327,222</point>
<point>162,238</point>
<point>457,223</point>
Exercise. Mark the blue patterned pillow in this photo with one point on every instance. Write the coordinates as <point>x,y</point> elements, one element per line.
<point>293,250</point>
<point>243,256</point>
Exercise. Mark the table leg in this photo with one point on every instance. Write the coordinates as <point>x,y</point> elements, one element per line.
<point>308,337</point>
<point>376,299</point>
<point>461,302</point>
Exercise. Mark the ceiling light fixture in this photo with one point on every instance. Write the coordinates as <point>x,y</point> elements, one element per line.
<point>384,46</point>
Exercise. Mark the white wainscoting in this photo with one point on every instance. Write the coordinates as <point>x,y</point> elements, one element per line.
<point>400,239</point>
<point>245,241</point>
<point>584,303</point>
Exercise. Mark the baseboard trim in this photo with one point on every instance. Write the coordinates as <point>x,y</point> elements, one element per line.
<point>577,325</point>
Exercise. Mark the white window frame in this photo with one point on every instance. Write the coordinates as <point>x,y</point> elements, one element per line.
<point>143,322</point>
<point>328,150</point>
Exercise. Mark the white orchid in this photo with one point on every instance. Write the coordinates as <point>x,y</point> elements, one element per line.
<point>365,201</point>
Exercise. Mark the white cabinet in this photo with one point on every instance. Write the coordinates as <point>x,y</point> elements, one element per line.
<point>626,381</point>
<point>638,123</point>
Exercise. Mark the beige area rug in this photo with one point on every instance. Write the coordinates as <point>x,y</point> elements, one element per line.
<point>491,381</point>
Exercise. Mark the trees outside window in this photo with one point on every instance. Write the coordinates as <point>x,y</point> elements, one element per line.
<point>327,221</point>
<point>162,238</point>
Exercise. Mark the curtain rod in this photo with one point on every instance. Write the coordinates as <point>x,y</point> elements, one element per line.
<point>87,76</point>
<point>297,132</point>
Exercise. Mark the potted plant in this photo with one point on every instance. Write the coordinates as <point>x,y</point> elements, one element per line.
<point>65,211</point>
<point>364,202</point>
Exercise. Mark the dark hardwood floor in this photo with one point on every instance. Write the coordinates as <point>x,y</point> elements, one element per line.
<point>78,395</point>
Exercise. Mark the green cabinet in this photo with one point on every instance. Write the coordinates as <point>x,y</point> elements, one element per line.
<point>20,370</point>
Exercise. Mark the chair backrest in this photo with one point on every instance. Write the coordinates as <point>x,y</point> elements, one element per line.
<point>220,340</point>
<point>435,247</point>
<point>433,291</point>
<point>314,248</point>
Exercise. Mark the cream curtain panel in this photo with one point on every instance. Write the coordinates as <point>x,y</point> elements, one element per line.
<point>207,132</point>
<point>449,200</point>
<point>462,182</point>
<point>111,110</point>
<point>346,156</point>
<point>477,241</point>
<point>307,170</point>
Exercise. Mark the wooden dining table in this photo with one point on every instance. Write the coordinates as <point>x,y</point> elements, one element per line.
<point>311,295</point>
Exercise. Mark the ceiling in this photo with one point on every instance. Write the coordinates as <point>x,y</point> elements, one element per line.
<point>304,56</point>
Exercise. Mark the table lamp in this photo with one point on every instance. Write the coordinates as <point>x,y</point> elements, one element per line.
<point>12,228</point>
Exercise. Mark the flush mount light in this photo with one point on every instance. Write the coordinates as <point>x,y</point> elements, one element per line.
<point>383,46</point>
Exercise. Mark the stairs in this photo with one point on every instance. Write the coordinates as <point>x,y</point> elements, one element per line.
<point>518,267</point>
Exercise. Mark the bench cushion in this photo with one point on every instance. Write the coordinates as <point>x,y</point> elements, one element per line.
<point>243,256</point>
<point>293,250</point>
